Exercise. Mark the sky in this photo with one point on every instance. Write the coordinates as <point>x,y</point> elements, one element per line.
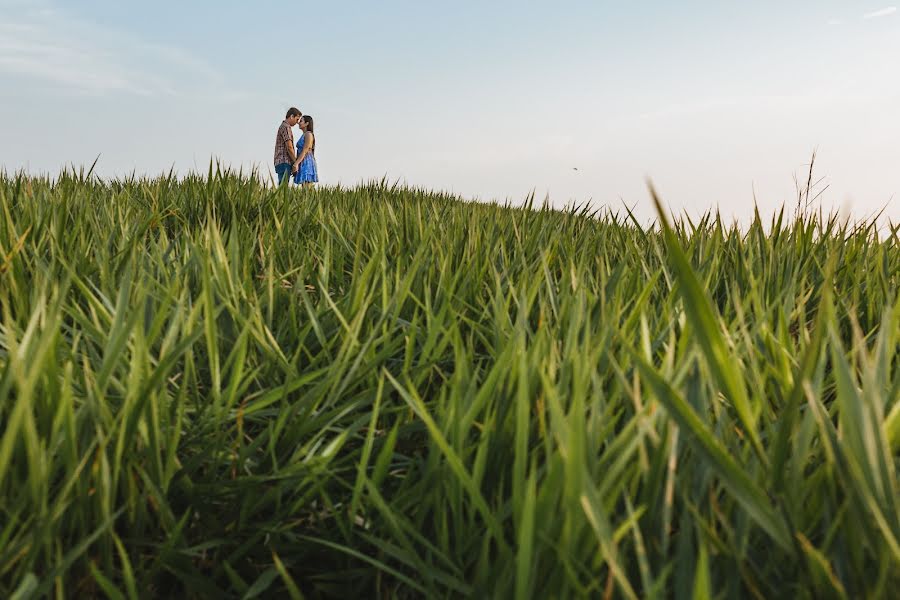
<point>720,104</point>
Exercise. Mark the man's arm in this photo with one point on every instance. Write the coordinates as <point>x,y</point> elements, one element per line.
<point>285,136</point>
<point>290,150</point>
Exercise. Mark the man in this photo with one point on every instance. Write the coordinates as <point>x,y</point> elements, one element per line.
<point>285,157</point>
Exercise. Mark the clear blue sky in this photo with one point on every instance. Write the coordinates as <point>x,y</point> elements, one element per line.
<point>711,100</point>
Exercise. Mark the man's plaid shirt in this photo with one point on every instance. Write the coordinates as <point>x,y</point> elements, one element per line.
<point>284,135</point>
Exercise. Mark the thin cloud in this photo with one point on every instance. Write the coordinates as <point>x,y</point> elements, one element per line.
<point>43,44</point>
<point>33,53</point>
<point>884,12</point>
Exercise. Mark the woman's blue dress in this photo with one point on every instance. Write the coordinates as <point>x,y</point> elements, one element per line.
<point>308,171</point>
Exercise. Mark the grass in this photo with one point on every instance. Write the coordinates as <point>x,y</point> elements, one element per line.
<point>213,388</point>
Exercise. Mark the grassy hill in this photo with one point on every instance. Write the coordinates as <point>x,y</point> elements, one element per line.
<point>211,388</point>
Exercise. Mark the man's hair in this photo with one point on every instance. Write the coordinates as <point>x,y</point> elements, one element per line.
<point>293,112</point>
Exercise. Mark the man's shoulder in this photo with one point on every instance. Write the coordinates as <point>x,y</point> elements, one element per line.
<point>284,132</point>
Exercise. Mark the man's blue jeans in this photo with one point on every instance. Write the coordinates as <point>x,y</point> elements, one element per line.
<point>283,170</point>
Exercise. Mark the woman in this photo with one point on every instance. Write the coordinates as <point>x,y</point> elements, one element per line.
<point>307,171</point>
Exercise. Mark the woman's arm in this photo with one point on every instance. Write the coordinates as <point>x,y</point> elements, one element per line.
<point>307,146</point>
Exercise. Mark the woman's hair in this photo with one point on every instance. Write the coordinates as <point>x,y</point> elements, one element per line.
<point>310,127</point>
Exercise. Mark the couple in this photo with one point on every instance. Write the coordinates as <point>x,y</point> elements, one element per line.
<point>302,163</point>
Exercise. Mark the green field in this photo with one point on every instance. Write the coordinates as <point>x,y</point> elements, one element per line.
<point>214,388</point>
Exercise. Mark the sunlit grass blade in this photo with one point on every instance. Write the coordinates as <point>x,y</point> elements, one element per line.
<point>701,437</point>
<point>702,314</point>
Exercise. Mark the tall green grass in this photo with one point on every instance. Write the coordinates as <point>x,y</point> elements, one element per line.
<point>214,388</point>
